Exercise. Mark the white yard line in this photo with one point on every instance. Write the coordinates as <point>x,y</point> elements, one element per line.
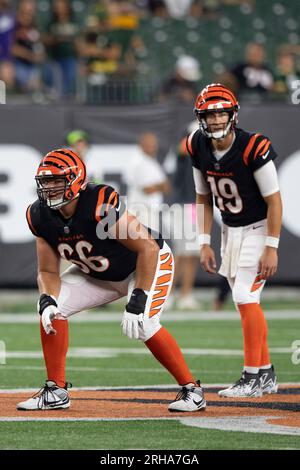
<point>115,317</point>
<point>115,352</point>
<point>135,387</point>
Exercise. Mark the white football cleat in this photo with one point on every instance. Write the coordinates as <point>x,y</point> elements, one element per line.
<point>248,386</point>
<point>268,380</point>
<point>189,398</point>
<point>50,397</point>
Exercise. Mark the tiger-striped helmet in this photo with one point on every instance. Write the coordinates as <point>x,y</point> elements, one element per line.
<point>60,178</point>
<point>216,98</point>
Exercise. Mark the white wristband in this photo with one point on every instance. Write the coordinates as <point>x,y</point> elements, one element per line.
<point>204,239</point>
<point>272,241</point>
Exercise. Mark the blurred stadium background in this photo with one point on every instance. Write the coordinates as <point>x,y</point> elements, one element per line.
<point>119,68</point>
<point>114,70</point>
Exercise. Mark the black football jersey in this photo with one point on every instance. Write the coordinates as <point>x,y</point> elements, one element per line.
<point>231,178</point>
<point>84,239</point>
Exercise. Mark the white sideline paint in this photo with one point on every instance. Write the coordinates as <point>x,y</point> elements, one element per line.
<point>116,317</point>
<point>115,352</point>
<point>253,424</point>
<point>256,424</point>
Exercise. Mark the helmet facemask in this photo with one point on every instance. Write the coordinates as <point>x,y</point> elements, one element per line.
<point>219,134</point>
<point>54,190</point>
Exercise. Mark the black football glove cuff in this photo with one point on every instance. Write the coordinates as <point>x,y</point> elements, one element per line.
<point>45,301</point>
<point>137,302</point>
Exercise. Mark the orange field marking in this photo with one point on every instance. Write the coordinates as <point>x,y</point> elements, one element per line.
<point>154,404</point>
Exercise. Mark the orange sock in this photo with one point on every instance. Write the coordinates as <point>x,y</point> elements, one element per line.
<point>166,350</point>
<point>265,355</point>
<point>254,332</point>
<point>55,349</point>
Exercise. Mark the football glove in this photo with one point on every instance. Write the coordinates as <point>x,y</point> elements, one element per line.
<point>133,316</point>
<point>47,308</point>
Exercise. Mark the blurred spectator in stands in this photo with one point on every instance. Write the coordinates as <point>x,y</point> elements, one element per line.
<point>157,8</point>
<point>227,79</point>
<point>147,182</point>
<point>27,48</point>
<point>253,76</point>
<point>60,40</point>
<point>178,9</point>
<point>222,294</point>
<point>7,25</point>
<point>111,50</point>
<point>79,141</point>
<point>98,49</point>
<point>124,22</point>
<point>182,86</point>
<point>186,246</point>
<point>286,73</point>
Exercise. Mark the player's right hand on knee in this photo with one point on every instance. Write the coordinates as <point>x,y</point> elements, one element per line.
<point>133,316</point>
<point>47,308</point>
<point>208,259</point>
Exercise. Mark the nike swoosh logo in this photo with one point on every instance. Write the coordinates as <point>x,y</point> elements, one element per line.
<point>265,155</point>
<point>197,403</point>
<point>257,227</point>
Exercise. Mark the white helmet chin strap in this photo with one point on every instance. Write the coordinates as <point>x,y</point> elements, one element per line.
<point>56,203</point>
<point>217,135</point>
<point>221,134</point>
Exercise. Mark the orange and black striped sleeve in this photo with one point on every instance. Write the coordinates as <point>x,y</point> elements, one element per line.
<point>258,151</point>
<point>30,221</point>
<point>109,206</point>
<point>189,143</point>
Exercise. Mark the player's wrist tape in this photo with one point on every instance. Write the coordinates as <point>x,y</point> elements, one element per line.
<point>204,239</point>
<point>45,301</point>
<point>272,241</point>
<point>137,302</point>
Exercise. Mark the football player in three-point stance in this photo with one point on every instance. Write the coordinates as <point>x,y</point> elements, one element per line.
<point>112,256</point>
<point>236,169</point>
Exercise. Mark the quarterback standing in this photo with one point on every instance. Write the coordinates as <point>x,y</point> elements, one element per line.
<point>236,169</point>
<point>112,256</point>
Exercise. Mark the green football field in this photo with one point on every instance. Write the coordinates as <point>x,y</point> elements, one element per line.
<point>101,357</point>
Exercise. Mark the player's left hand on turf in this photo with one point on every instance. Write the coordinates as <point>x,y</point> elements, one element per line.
<point>47,308</point>
<point>268,262</point>
<point>133,316</point>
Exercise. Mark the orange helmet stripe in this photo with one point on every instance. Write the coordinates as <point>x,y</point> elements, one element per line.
<point>68,161</point>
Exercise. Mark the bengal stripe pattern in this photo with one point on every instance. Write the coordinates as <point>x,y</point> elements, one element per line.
<point>215,93</point>
<point>262,148</point>
<point>257,284</point>
<point>249,147</point>
<point>189,142</point>
<point>100,202</point>
<point>29,221</point>
<point>163,284</point>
